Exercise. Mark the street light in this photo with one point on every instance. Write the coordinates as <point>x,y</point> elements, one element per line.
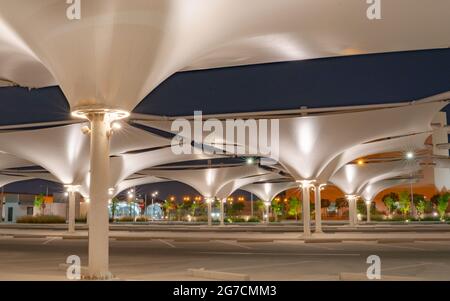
<point>409,155</point>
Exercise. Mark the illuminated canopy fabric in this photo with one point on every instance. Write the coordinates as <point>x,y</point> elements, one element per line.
<point>308,144</point>
<point>232,186</point>
<point>125,165</point>
<point>267,191</point>
<point>208,181</point>
<point>119,50</point>
<point>352,178</point>
<point>371,190</point>
<point>64,150</point>
<point>401,144</point>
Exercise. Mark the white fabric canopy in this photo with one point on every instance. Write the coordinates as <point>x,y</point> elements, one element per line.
<point>267,191</point>
<point>125,165</point>
<point>208,181</point>
<point>352,178</point>
<point>136,181</point>
<point>372,190</point>
<point>234,185</point>
<point>119,50</point>
<point>64,150</point>
<point>9,161</point>
<point>8,179</point>
<point>308,144</point>
<point>402,144</point>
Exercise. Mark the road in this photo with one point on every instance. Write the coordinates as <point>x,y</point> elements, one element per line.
<point>160,259</point>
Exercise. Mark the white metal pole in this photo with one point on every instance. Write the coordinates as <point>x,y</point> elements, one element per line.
<point>306,208</point>
<point>71,217</point>
<point>222,211</point>
<point>318,206</point>
<point>98,206</point>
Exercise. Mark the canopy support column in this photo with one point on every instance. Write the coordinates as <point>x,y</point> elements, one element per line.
<point>98,216</point>
<point>368,206</point>
<point>305,185</point>
<point>98,206</point>
<point>351,199</point>
<point>222,212</point>
<point>318,207</point>
<point>209,202</point>
<point>71,190</point>
<point>266,214</point>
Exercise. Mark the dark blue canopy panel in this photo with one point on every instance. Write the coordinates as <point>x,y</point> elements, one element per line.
<point>354,80</point>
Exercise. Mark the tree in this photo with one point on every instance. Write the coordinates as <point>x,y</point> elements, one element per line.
<point>404,203</point>
<point>324,203</point>
<point>420,204</point>
<point>169,206</point>
<point>114,204</point>
<point>277,208</point>
<point>259,206</point>
<point>237,207</point>
<point>39,203</point>
<point>443,204</point>
<point>389,201</point>
<point>294,207</point>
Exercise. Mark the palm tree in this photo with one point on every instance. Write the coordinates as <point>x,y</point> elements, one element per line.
<point>443,205</point>
<point>404,202</point>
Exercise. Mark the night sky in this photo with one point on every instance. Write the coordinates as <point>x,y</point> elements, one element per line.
<point>355,80</point>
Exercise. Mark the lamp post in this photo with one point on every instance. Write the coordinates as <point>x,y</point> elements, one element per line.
<point>71,191</point>
<point>154,194</point>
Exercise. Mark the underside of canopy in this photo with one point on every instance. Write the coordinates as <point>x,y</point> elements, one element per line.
<point>136,181</point>
<point>308,144</point>
<point>371,190</point>
<point>208,181</point>
<point>267,191</point>
<point>402,144</point>
<point>352,178</point>
<point>64,150</point>
<point>125,165</point>
<point>232,186</point>
<point>119,51</point>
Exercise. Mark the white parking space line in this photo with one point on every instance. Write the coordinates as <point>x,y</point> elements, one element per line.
<point>282,254</point>
<point>233,243</point>
<point>269,265</point>
<point>439,243</point>
<point>401,247</point>
<point>50,239</point>
<point>319,246</point>
<point>401,267</point>
<point>167,243</point>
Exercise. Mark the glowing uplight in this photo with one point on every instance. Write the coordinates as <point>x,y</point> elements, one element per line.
<point>116,126</point>
<point>360,162</point>
<point>409,155</point>
<point>306,137</point>
<point>350,173</point>
<point>267,188</point>
<point>210,177</point>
